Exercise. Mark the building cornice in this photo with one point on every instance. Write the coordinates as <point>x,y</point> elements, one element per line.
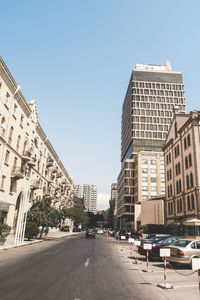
<point>12,85</point>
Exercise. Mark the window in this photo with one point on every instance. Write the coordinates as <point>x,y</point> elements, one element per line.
<point>188,140</point>
<point>7,98</point>
<point>153,162</point>
<point>18,142</point>
<point>7,157</point>
<point>3,178</point>
<point>10,135</point>
<point>192,202</point>
<point>22,120</point>
<point>191,180</point>
<point>144,161</point>
<point>13,186</point>
<point>15,109</point>
<point>190,159</point>
<point>185,143</point>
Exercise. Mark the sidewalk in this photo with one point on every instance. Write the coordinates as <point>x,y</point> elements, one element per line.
<point>56,234</point>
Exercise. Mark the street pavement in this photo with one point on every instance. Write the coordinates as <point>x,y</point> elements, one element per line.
<point>76,268</point>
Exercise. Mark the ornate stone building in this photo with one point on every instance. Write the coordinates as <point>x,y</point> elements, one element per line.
<point>30,168</point>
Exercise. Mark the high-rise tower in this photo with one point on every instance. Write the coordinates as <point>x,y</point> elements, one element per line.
<point>154,93</point>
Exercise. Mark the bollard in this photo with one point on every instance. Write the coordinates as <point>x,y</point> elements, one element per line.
<point>147,247</point>
<point>131,241</point>
<point>137,243</point>
<point>164,252</point>
<point>196,267</point>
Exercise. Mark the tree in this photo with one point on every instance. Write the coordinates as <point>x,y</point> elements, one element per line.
<point>111,213</point>
<point>75,213</point>
<point>43,214</point>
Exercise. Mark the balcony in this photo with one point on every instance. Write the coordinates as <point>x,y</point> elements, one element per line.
<point>49,162</point>
<point>26,156</point>
<point>31,162</point>
<point>59,175</point>
<point>49,179</point>
<point>17,173</point>
<point>34,185</point>
<point>54,170</point>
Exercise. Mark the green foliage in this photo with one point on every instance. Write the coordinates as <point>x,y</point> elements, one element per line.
<point>43,214</point>
<point>4,232</point>
<point>31,230</point>
<point>76,214</point>
<point>110,218</point>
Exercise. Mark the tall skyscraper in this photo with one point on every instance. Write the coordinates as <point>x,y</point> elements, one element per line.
<point>89,193</point>
<point>154,93</point>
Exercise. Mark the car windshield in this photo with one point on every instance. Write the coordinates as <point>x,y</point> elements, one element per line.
<point>157,238</point>
<point>182,243</point>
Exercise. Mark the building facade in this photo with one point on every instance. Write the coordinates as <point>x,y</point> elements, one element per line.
<point>154,93</point>
<point>89,193</point>
<point>182,168</point>
<point>29,166</point>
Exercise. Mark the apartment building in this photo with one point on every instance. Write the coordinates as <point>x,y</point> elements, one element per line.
<point>154,93</point>
<point>182,168</point>
<point>89,193</point>
<point>113,195</point>
<point>30,168</point>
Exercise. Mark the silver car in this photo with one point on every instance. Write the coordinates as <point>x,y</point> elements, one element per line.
<point>182,251</point>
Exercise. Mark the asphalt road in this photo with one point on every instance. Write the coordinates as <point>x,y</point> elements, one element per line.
<point>72,268</point>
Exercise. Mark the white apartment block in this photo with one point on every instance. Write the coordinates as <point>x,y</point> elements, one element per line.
<point>89,193</point>
<point>30,168</point>
<point>149,176</point>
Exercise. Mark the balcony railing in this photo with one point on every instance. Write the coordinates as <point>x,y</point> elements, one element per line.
<point>34,185</point>
<point>49,162</point>
<point>17,172</point>
<point>31,162</point>
<point>26,156</point>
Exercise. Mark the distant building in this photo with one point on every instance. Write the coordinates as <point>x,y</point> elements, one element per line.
<point>182,168</point>
<point>154,93</point>
<point>89,193</point>
<point>113,195</point>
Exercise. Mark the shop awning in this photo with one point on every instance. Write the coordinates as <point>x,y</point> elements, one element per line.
<point>192,222</point>
<point>4,206</point>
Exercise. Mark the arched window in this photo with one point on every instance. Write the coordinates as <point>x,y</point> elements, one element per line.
<point>188,202</point>
<point>191,180</point>
<point>187,182</point>
<point>192,202</point>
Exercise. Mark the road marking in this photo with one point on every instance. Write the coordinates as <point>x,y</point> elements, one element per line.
<point>87,262</point>
<point>186,286</point>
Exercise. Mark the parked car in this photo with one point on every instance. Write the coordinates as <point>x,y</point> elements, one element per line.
<point>182,251</point>
<point>99,231</point>
<point>154,253</point>
<point>152,241</point>
<point>90,233</point>
<point>121,233</point>
<point>65,228</point>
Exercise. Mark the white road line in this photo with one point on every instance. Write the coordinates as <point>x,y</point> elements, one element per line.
<point>87,262</point>
<point>185,286</point>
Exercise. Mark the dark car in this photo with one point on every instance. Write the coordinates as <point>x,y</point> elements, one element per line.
<point>154,253</point>
<point>152,241</point>
<point>90,233</point>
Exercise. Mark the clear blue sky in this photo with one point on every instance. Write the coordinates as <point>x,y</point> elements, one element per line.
<point>75,58</point>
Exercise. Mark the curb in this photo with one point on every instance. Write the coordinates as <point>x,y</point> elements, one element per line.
<point>36,241</point>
